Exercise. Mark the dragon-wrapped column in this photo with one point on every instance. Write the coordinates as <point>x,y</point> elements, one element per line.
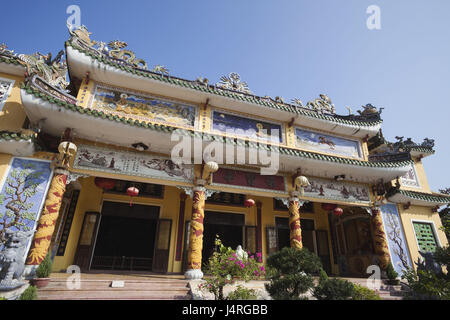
<point>379,239</point>
<point>46,223</point>
<point>294,221</point>
<point>194,258</point>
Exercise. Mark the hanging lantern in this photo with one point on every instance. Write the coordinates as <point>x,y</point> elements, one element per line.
<point>328,206</point>
<point>338,212</point>
<point>105,183</point>
<point>132,192</point>
<point>249,203</point>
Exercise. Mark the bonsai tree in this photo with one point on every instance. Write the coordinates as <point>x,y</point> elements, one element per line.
<point>391,274</point>
<point>333,289</point>
<point>290,272</point>
<point>45,268</point>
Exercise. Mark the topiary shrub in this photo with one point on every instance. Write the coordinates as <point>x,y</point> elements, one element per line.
<point>391,274</point>
<point>333,289</point>
<point>364,293</point>
<point>30,293</point>
<point>242,293</point>
<point>45,268</point>
<point>290,272</point>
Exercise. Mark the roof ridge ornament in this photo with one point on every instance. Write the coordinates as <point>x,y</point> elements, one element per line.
<point>322,105</point>
<point>233,82</point>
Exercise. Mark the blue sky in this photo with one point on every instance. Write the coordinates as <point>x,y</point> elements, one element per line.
<point>293,49</point>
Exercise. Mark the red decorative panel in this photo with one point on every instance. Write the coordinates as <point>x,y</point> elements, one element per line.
<point>249,179</point>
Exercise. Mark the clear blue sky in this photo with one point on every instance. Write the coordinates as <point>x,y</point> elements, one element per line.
<point>280,48</point>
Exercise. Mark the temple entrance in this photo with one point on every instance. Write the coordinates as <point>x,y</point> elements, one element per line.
<point>124,237</point>
<point>355,248</point>
<point>229,227</point>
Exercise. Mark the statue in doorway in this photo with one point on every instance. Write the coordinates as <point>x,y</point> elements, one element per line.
<point>12,259</point>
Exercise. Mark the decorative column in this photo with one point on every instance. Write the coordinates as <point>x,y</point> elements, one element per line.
<point>294,221</point>
<point>194,258</point>
<point>379,239</point>
<point>46,224</point>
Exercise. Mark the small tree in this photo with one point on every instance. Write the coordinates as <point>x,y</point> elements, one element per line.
<point>225,266</point>
<point>391,274</point>
<point>45,268</point>
<point>333,289</point>
<point>444,213</point>
<point>291,273</point>
<point>30,293</point>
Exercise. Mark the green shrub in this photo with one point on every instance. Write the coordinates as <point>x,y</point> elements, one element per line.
<point>45,268</point>
<point>30,293</point>
<point>333,289</point>
<point>390,272</point>
<point>225,266</point>
<point>3,299</point>
<point>290,272</point>
<point>242,293</point>
<point>364,293</point>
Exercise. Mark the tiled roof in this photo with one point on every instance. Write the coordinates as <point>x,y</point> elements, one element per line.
<point>262,101</point>
<point>10,59</point>
<point>17,136</point>
<point>420,196</point>
<point>236,141</point>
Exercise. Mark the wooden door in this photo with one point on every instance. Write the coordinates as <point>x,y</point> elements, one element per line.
<point>323,249</point>
<point>86,243</point>
<point>250,239</point>
<point>162,245</point>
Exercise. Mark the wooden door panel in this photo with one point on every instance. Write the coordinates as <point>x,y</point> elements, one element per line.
<point>162,245</point>
<point>87,239</point>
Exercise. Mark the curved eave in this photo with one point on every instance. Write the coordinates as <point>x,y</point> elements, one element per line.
<point>418,198</point>
<point>11,66</point>
<point>421,152</point>
<point>94,126</point>
<point>121,76</point>
<point>16,144</point>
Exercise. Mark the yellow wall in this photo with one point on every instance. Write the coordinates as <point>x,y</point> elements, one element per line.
<point>423,214</point>
<point>12,115</point>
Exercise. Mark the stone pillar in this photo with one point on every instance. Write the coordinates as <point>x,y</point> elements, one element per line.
<point>46,224</point>
<point>194,258</point>
<point>379,239</point>
<point>294,221</point>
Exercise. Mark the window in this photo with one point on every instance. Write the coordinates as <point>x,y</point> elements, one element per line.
<point>5,90</point>
<point>426,238</point>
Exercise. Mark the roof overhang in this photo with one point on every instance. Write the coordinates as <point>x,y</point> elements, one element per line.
<point>418,198</point>
<point>80,64</point>
<point>17,147</point>
<point>13,69</point>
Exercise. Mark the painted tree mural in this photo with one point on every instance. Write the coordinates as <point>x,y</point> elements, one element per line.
<point>22,195</point>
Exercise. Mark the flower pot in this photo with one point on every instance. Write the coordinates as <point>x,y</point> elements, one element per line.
<point>40,282</point>
<point>393,282</point>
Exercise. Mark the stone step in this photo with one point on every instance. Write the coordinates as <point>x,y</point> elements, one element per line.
<point>111,295</point>
<point>128,285</point>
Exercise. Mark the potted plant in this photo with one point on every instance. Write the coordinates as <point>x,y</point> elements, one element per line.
<point>392,275</point>
<point>43,272</point>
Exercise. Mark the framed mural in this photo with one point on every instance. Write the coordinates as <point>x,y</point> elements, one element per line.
<point>143,107</point>
<point>22,195</point>
<point>337,190</point>
<point>129,163</point>
<point>410,178</point>
<point>246,127</point>
<point>249,180</point>
<point>317,141</point>
<point>396,238</point>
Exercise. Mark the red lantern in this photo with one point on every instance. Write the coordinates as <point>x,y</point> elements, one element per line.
<point>105,183</point>
<point>338,212</point>
<point>132,192</point>
<point>328,206</point>
<point>249,203</point>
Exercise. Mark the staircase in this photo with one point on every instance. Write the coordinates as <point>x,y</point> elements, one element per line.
<point>133,289</point>
<point>386,291</point>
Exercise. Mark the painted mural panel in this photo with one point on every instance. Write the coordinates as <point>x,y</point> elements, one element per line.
<point>337,190</point>
<point>396,238</point>
<point>249,180</point>
<point>129,163</point>
<point>250,128</point>
<point>410,178</point>
<point>143,107</point>
<point>317,141</point>
<point>23,194</point>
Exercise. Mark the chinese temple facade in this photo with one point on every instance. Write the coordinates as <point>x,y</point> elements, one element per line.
<point>120,166</point>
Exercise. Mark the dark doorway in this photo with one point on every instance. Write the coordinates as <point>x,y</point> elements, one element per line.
<point>229,227</point>
<point>283,233</point>
<point>126,237</point>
